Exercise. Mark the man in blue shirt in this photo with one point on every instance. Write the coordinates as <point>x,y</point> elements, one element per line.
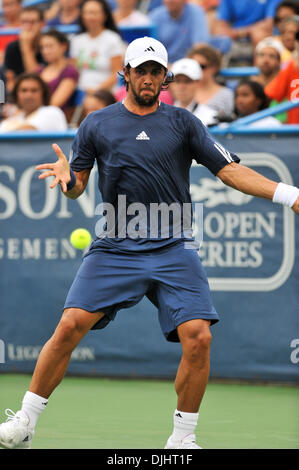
<point>246,18</point>
<point>180,25</point>
<point>144,150</point>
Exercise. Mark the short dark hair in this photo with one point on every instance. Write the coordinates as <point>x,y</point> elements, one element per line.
<point>294,5</point>
<point>46,93</point>
<point>258,91</point>
<point>58,35</point>
<point>104,95</point>
<point>36,9</point>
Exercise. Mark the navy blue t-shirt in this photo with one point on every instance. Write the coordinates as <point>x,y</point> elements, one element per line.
<point>144,164</point>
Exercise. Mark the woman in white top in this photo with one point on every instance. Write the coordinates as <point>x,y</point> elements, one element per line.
<point>98,51</point>
<point>210,92</point>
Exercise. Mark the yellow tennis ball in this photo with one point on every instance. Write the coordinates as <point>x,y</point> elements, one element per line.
<point>80,238</point>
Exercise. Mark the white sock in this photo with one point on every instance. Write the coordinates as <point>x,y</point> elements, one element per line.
<point>183,424</point>
<point>33,405</point>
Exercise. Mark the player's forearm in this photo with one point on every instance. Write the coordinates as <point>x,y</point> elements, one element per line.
<point>247,181</point>
<point>77,183</point>
<point>223,28</point>
<point>29,60</point>
<point>77,189</point>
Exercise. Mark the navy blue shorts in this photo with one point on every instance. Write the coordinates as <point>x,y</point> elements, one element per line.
<point>172,278</point>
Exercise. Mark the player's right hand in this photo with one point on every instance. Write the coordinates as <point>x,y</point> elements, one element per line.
<point>60,170</point>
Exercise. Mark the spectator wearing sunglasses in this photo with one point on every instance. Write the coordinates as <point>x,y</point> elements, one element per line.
<point>209,91</point>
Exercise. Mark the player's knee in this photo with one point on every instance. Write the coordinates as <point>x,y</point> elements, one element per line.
<point>66,333</point>
<point>197,346</point>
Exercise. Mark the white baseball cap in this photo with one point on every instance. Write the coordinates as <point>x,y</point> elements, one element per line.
<point>270,42</point>
<point>188,67</point>
<point>144,49</point>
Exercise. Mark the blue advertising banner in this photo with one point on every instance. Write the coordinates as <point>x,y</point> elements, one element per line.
<point>249,250</point>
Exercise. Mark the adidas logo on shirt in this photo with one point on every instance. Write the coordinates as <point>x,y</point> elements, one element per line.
<point>142,136</point>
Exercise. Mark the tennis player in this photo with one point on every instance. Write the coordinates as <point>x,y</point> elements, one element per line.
<point>144,150</point>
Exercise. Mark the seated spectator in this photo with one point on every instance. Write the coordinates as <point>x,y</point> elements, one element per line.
<point>92,102</point>
<point>98,100</point>
<point>209,91</point>
<point>69,13</point>
<point>288,31</point>
<point>251,98</point>
<point>187,74</point>
<point>267,60</point>
<point>11,11</point>
<point>286,85</point>
<point>59,74</point>
<point>246,22</point>
<point>31,95</point>
<point>180,25</point>
<point>23,55</point>
<point>126,14</point>
<point>210,9</point>
<point>98,51</point>
<point>284,10</point>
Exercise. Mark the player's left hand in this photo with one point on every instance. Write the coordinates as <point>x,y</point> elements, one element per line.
<point>60,170</point>
<point>296,206</point>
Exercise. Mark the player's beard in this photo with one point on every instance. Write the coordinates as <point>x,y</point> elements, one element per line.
<point>145,101</point>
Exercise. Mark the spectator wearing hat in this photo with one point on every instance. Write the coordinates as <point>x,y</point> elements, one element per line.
<point>187,74</point>
<point>267,60</point>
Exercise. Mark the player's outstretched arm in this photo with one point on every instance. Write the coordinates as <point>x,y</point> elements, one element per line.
<point>72,183</point>
<point>251,182</point>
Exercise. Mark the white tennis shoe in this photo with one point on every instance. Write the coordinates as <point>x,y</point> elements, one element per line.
<point>188,442</point>
<point>15,432</point>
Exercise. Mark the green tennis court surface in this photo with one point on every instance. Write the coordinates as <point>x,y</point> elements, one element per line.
<point>90,413</point>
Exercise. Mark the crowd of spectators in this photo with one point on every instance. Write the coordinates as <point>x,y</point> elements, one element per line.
<point>61,60</point>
